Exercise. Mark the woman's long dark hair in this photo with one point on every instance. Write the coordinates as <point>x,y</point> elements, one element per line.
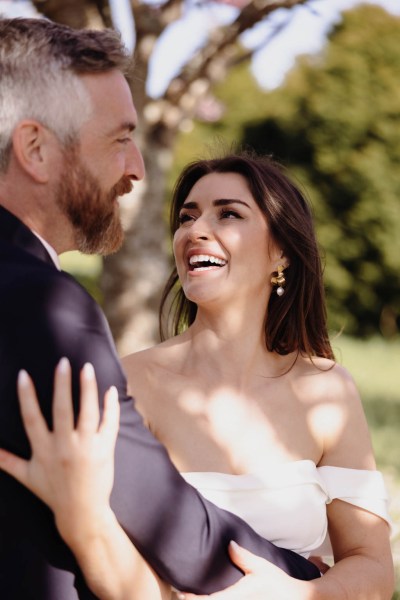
<point>297,320</point>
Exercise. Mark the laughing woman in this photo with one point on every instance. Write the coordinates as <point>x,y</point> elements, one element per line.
<point>256,414</point>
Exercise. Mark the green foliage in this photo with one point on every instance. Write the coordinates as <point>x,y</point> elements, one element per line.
<point>86,269</point>
<point>336,124</point>
<point>374,366</point>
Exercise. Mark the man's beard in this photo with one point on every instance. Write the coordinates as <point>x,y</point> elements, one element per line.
<point>93,214</point>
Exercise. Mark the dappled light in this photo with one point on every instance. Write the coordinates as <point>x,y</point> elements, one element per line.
<point>327,418</point>
<point>230,405</point>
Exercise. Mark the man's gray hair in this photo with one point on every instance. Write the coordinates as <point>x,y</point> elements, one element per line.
<point>40,64</point>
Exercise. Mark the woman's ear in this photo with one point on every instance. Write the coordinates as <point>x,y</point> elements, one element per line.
<point>284,261</point>
<point>32,149</point>
<point>280,259</point>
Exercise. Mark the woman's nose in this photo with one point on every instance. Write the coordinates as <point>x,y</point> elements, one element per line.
<point>199,230</point>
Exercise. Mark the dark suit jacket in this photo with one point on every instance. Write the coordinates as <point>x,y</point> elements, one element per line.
<point>44,315</point>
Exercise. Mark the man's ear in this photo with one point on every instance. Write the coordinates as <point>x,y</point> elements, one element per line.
<point>32,149</point>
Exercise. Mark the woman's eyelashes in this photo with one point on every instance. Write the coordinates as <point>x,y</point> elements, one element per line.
<point>225,213</point>
<point>228,213</point>
<point>184,217</point>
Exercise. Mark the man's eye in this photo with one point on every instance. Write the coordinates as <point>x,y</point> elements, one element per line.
<point>124,140</point>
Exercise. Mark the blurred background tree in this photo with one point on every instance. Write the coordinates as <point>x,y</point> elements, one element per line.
<point>335,123</point>
<point>132,280</point>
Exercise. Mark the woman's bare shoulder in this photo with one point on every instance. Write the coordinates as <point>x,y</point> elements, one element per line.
<point>325,379</point>
<point>336,413</point>
<point>150,372</point>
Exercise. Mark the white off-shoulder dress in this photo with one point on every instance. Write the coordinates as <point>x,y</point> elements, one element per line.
<point>287,503</point>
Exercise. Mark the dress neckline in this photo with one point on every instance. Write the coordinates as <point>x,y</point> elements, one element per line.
<point>268,469</point>
<point>303,466</point>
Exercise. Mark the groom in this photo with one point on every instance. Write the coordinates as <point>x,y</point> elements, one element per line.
<point>67,151</point>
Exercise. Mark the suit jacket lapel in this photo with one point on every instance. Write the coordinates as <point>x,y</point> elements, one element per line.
<point>16,233</point>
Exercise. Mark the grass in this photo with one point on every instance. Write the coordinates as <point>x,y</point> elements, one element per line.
<point>375,366</point>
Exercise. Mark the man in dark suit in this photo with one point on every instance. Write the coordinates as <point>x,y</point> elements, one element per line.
<point>66,154</point>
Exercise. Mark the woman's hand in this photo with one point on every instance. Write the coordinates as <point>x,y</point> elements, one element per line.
<point>262,581</point>
<point>71,468</point>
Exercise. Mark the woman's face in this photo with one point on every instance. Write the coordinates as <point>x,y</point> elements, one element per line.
<point>223,249</point>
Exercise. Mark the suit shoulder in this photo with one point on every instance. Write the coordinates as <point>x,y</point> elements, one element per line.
<point>31,290</point>
<point>24,271</point>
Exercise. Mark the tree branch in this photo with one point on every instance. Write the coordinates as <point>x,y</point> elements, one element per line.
<point>211,62</point>
<point>103,7</point>
<point>68,12</point>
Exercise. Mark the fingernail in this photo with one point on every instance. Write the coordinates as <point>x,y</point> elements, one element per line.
<point>63,365</point>
<point>23,377</point>
<point>113,392</point>
<point>88,371</point>
<point>180,596</point>
<point>234,545</point>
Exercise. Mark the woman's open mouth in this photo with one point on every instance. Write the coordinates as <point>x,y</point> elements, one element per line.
<point>203,262</point>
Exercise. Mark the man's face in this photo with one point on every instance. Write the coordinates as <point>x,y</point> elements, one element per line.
<point>92,211</point>
<point>101,166</point>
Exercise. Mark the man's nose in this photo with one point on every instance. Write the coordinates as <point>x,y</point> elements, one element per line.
<point>134,166</point>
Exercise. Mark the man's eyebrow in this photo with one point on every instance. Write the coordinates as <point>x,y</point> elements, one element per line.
<point>128,126</point>
<point>217,202</point>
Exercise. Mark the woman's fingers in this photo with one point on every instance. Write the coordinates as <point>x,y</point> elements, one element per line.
<point>15,466</point>
<point>245,560</point>
<point>63,414</point>
<point>89,414</point>
<point>64,460</point>
<point>34,422</point>
<point>35,427</point>
<point>110,422</point>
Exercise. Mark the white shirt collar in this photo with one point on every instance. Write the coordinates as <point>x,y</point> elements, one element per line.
<point>50,250</point>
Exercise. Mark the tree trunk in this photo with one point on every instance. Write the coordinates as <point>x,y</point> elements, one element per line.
<point>74,13</point>
<point>133,279</point>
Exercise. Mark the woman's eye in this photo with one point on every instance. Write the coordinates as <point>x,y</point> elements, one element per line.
<point>184,218</point>
<point>230,214</point>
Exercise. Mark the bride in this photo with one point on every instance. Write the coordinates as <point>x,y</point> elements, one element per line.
<point>256,414</point>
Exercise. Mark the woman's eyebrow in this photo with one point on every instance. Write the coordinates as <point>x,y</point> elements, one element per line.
<point>217,202</point>
<point>225,201</point>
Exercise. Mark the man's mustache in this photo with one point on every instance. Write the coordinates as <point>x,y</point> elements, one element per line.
<point>124,186</point>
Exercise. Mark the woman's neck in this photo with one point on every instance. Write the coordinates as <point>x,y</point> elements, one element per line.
<point>230,347</point>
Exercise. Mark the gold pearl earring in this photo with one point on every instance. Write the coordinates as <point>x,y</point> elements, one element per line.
<point>279,280</point>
